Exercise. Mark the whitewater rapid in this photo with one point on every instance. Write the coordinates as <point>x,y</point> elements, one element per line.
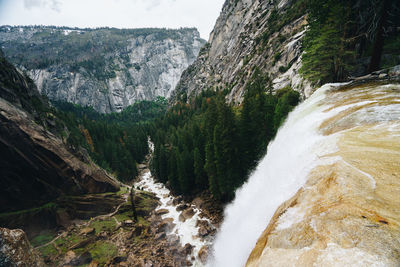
<point>296,150</point>
<point>187,231</point>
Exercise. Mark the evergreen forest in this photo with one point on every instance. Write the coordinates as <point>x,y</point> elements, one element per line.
<point>349,37</point>
<point>202,143</point>
<point>207,144</point>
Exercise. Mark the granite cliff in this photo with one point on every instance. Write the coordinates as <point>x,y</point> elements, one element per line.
<point>108,69</point>
<point>250,34</point>
<point>36,166</point>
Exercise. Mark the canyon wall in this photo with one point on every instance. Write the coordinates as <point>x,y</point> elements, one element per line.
<point>107,69</point>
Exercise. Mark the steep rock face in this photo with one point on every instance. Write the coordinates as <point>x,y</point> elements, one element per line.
<point>107,69</point>
<point>250,34</point>
<point>15,249</point>
<point>347,212</point>
<point>35,165</point>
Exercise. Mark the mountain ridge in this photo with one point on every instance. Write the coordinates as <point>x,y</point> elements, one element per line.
<point>106,68</point>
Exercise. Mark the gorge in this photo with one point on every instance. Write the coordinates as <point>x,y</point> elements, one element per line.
<point>274,143</point>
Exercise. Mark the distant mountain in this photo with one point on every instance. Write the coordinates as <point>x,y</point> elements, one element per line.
<point>106,68</point>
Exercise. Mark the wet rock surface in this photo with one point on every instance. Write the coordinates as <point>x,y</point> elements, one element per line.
<point>203,254</point>
<point>346,214</point>
<point>183,221</point>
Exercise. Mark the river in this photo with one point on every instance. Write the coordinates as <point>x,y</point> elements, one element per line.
<point>188,230</point>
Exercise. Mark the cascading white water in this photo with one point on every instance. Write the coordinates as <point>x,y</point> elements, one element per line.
<point>188,230</point>
<point>297,149</point>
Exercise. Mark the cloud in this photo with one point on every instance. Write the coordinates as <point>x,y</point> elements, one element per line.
<point>113,13</point>
<point>152,4</point>
<point>29,4</point>
<point>54,5</point>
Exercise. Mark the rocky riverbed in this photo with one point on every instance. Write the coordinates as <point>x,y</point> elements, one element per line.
<point>179,222</point>
<point>170,231</point>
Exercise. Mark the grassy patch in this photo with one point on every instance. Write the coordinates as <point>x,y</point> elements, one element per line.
<point>143,221</point>
<point>106,225</point>
<point>124,216</point>
<point>102,252</point>
<point>65,243</point>
<point>48,251</point>
<point>124,190</point>
<point>41,239</point>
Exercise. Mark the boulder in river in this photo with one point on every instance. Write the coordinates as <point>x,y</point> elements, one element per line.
<point>182,218</point>
<point>166,225</point>
<point>142,166</point>
<point>161,212</point>
<point>188,213</point>
<point>182,207</point>
<point>205,228</point>
<point>198,202</point>
<point>187,249</point>
<point>203,254</point>
<point>173,239</point>
<point>177,200</point>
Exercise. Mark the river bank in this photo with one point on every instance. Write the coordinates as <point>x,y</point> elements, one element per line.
<point>183,222</point>
<point>170,231</point>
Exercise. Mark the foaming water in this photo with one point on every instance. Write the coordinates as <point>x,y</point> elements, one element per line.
<point>297,149</point>
<point>188,230</point>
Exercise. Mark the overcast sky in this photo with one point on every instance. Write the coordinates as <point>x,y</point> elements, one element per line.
<point>201,14</point>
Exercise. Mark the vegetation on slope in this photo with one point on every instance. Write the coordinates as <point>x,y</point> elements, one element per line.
<point>115,141</point>
<point>208,144</point>
<point>342,32</point>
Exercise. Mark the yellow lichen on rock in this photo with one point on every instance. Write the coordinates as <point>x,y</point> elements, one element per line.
<point>348,212</point>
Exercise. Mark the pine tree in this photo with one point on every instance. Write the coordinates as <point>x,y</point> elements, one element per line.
<point>185,171</point>
<point>327,56</point>
<point>253,125</point>
<point>162,165</point>
<point>226,156</point>
<point>210,167</point>
<point>200,176</point>
<point>286,103</point>
<point>173,171</point>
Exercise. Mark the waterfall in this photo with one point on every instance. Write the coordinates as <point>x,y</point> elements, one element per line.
<point>297,148</point>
